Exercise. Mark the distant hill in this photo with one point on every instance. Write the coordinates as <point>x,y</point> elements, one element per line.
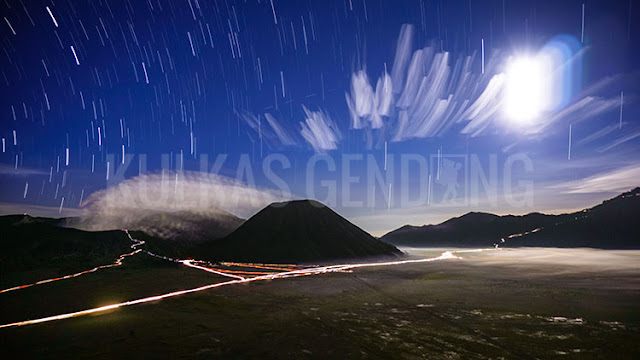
<point>29,243</point>
<point>296,231</point>
<point>470,230</point>
<point>610,225</point>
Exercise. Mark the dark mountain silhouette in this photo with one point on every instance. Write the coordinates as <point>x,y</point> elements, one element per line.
<point>29,242</point>
<point>296,231</point>
<point>470,230</point>
<point>610,225</point>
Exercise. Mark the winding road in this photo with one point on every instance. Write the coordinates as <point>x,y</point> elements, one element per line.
<point>280,272</point>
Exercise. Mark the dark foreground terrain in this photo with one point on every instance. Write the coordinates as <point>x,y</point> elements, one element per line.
<point>514,303</point>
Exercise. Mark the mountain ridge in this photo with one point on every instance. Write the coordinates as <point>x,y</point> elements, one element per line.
<point>35,242</point>
<point>606,225</point>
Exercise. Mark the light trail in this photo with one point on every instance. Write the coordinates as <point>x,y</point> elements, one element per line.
<point>136,243</point>
<point>115,306</point>
<point>247,273</point>
<point>190,263</point>
<point>229,273</point>
<point>117,262</point>
<point>301,272</point>
<point>262,266</point>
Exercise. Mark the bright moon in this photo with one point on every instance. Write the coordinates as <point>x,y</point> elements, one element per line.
<point>526,91</point>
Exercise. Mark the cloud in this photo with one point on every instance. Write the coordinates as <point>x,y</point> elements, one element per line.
<point>426,94</point>
<point>279,130</point>
<point>584,109</point>
<point>620,141</point>
<point>403,53</point>
<point>193,192</point>
<point>366,106</point>
<point>597,134</point>
<point>613,181</point>
<point>319,130</point>
<point>271,131</point>
<point>21,171</point>
<point>360,102</point>
<point>486,106</point>
<point>37,210</point>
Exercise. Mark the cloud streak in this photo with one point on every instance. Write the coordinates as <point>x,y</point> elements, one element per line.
<point>319,130</point>
<point>21,171</point>
<point>585,109</point>
<point>272,132</point>
<point>426,94</point>
<point>620,141</point>
<point>598,134</point>
<point>614,181</point>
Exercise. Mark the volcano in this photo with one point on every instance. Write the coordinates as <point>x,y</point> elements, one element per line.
<point>296,232</point>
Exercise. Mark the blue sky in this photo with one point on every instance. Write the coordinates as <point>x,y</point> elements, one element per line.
<point>306,85</point>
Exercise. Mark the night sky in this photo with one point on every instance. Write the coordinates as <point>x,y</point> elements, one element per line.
<point>84,82</point>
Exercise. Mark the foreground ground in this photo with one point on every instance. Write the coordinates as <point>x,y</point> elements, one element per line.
<point>515,303</point>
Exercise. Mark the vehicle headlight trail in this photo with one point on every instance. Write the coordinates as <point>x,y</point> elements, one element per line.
<point>190,263</point>
<point>285,271</point>
<point>115,306</point>
<point>117,262</point>
<point>447,255</point>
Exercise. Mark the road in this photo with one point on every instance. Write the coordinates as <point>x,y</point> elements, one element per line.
<point>278,271</point>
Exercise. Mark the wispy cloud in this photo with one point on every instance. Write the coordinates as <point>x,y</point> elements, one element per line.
<point>319,130</point>
<point>585,109</point>
<point>613,181</point>
<point>426,93</point>
<point>366,107</point>
<point>620,141</point>
<point>37,210</point>
<point>597,134</point>
<point>272,132</point>
<point>20,171</point>
<point>279,130</point>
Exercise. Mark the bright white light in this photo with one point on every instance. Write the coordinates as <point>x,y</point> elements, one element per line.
<point>527,90</point>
